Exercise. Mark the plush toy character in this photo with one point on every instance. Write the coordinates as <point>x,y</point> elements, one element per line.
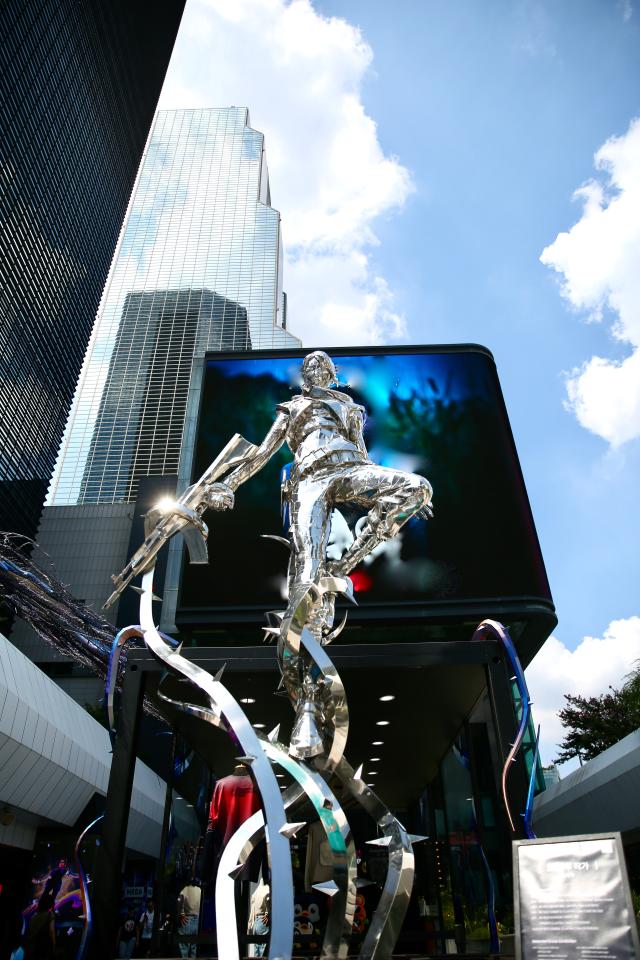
<point>360,916</point>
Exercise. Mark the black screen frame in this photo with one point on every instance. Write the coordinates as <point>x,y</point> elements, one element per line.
<point>527,610</point>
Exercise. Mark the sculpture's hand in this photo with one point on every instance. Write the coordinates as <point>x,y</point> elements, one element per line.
<point>219,496</point>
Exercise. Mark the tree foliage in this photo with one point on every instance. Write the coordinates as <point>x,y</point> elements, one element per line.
<point>596,723</point>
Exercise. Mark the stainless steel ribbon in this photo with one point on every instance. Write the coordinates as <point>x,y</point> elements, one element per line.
<point>224,705</point>
<point>394,901</point>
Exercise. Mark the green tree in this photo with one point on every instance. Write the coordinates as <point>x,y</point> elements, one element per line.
<point>596,723</point>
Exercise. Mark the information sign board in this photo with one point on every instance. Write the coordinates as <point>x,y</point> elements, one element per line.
<point>572,899</point>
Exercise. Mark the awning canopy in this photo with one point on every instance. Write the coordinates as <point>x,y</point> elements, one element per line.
<point>600,796</point>
<point>54,757</point>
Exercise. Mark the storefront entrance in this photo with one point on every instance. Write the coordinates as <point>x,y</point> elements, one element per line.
<point>430,721</point>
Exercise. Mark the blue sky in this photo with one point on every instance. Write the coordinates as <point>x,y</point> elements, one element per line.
<point>497,109</point>
<point>423,155</point>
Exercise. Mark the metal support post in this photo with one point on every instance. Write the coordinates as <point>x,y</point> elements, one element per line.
<point>107,881</point>
<point>161,876</point>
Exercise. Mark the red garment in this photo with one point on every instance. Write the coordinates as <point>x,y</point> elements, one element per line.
<point>235,799</point>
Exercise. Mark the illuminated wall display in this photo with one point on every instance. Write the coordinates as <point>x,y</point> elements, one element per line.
<point>435,411</point>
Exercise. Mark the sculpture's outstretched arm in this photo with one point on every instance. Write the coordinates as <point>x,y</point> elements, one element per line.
<point>184,515</point>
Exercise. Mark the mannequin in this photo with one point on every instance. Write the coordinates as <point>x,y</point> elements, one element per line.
<point>319,861</point>
<point>235,799</point>
<point>259,916</point>
<point>188,916</point>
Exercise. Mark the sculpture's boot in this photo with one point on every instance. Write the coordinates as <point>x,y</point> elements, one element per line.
<point>306,738</point>
<point>306,741</point>
<point>366,541</point>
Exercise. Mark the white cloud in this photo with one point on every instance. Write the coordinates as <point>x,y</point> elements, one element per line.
<point>348,304</point>
<point>605,397</point>
<point>627,10</point>
<point>533,29</point>
<point>589,670</point>
<point>301,76</point>
<point>599,259</point>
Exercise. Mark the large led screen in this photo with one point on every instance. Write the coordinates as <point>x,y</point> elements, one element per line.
<point>437,412</point>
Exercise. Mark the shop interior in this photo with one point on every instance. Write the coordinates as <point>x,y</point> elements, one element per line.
<point>427,741</point>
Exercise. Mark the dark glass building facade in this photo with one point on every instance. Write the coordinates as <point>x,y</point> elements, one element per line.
<point>79,84</point>
<point>139,426</point>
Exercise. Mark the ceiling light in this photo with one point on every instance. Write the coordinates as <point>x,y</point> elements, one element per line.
<point>374,759</point>
<point>379,723</point>
<point>371,784</point>
<point>247,700</point>
<point>259,726</point>
<point>387,697</point>
<point>377,743</point>
<point>373,773</point>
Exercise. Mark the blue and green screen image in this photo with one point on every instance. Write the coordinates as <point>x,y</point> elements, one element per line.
<point>437,412</point>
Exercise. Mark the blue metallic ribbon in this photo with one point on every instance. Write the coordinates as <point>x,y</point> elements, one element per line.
<point>84,891</point>
<point>117,649</point>
<point>528,810</point>
<point>496,629</point>
<point>494,939</point>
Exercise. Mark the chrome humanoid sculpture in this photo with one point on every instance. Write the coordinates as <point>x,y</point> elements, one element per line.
<point>323,428</point>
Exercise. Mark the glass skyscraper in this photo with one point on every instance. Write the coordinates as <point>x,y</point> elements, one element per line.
<point>198,267</point>
<point>79,83</point>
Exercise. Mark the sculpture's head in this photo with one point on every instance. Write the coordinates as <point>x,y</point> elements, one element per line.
<point>318,370</point>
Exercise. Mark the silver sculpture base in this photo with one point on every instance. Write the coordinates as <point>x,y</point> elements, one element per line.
<point>310,782</point>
